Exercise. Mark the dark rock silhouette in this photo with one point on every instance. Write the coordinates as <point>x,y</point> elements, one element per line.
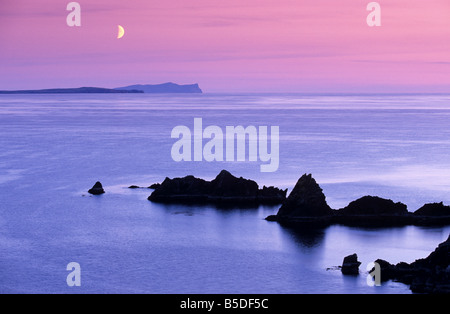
<point>97,189</point>
<point>133,187</point>
<point>307,204</point>
<point>373,205</point>
<point>350,265</point>
<point>80,90</point>
<point>227,185</point>
<point>305,200</point>
<point>179,190</point>
<point>166,88</point>
<point>427,275</point>
<point>433,209</point>
<point>224,189</point>
<point>272,194</point>
<point>154,186</point>
<point>374,211</point>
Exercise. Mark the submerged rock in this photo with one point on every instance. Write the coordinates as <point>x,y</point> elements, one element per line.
<point>350,265</point>
<point>97,189</point>
<point>305,200</point>
<point>224,189</point>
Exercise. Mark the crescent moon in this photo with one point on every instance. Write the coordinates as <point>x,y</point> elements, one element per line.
<point>121,32</point>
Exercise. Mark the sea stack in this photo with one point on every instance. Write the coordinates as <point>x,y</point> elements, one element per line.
<point>305,200</point>
<point>350,266</point>
<point>97,189</point>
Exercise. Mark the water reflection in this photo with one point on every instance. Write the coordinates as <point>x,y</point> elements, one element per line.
<point>306,236</point>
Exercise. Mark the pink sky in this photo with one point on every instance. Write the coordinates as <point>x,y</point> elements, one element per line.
<point>228,46</point>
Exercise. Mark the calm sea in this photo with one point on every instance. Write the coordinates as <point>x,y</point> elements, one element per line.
<point>55,147</point>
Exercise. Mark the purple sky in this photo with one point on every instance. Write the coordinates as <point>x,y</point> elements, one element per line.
<point>228,46</point>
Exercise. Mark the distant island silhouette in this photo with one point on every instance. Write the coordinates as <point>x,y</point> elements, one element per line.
<point>166,88</point>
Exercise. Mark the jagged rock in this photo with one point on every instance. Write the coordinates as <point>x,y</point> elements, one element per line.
<point>439,257</point>
<point>97,189</point>
<point>224,189</point>
<point>433,209</point>
<point>373,205</point>
<point>427,275</point>
<point>307,204</point>
<point>305,200</point>
<point>227,185</point>
<point>154,186</point>
<point>350,265</point>
<point>386,268</point>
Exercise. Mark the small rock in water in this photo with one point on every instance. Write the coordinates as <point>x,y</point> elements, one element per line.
<point>97,189</point>
<point>350,266</point>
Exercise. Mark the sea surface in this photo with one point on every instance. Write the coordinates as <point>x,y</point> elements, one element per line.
<point>55,147</point>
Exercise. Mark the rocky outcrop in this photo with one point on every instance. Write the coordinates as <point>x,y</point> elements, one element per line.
<point>373,205</point>
<point>433,209</point>
<point>97,189</point>
<point>350,265</point>
<point>180,190</point>
<point>307,204</point>
<point>305,200</point>
<point>374,211</point>
<point>226,185</point>
<point>427,275</point>
<point>154,186</point>
<point>225,189</point>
